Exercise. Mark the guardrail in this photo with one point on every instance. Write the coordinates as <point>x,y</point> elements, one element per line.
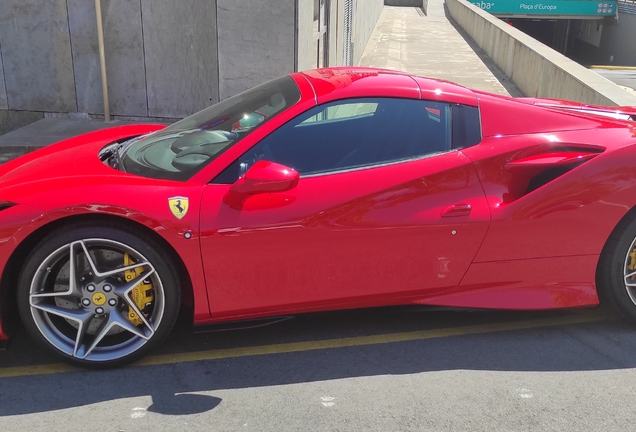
<point>536,69</point>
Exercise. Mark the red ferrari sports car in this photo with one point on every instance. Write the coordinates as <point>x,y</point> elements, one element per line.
<point>328,189</point>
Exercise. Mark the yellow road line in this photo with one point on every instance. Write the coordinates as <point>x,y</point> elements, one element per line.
<point>322,344</point>
<point>45,369</point>
<point>611,67</point>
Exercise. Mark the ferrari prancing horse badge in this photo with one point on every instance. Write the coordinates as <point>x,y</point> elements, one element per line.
<point>178,206</point>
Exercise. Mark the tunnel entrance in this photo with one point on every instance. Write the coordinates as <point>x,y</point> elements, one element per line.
<point>571,27</point>
<point>578,39</point>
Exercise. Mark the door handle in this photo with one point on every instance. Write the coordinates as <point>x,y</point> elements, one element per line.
<point>457,210</point>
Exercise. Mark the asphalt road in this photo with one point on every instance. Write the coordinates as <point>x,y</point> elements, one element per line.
<point>371,370</point>
<point>625,78</point>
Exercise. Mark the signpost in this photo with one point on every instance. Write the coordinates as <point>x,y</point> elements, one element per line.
<point>568,8</point>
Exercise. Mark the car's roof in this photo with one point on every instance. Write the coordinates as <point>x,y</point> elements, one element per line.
<point>348,82</point>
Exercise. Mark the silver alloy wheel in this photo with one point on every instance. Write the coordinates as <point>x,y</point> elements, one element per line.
<point>81,300</point>
<point>629,275</point>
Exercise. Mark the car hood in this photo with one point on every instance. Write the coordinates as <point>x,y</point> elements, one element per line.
<point>76,157</point>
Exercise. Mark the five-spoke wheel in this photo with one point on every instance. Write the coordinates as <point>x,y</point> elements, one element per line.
<point>95,298</point>
<point>616,273</point>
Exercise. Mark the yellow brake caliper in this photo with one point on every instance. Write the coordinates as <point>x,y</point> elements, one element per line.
<point>142,293</point>
<point>632,261</point>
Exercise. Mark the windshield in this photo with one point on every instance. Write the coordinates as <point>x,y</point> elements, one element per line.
<point>184,148</point>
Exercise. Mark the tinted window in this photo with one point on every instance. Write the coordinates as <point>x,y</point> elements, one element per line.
<point>466,126</point>
<point>343,111</point>
<point>350,134</point>
<point>182,149</point>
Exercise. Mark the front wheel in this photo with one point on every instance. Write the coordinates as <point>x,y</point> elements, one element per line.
<point>99,296</point>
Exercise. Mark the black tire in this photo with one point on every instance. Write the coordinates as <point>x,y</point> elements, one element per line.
<point>113,330</point>
<point>613,289</point>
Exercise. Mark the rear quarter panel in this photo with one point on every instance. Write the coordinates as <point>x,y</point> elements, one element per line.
<point>570,216</point>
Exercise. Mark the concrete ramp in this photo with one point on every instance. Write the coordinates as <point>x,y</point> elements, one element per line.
<point>459,42</point>
<point>430,45</point>
<point>536,69</point>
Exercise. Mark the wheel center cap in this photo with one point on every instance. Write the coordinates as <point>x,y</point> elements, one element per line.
<point>99,299</point>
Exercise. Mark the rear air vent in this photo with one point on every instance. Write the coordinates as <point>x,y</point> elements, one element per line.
<point>547,176</point>
<point>532,172</point>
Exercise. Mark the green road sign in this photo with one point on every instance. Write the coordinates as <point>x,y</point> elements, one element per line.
<point>548,7</point>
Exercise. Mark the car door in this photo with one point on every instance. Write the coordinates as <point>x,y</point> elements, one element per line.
<point>384,211</point>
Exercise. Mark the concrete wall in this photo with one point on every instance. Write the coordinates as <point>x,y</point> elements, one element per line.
<point>591,31</point>
<point>161,60</point>
<point>180,56</point>
<point>125,57</point>
<point>366,14</point>
<point>365,17</point>
<point>534,68</point>
<point>306,44</point>
<point>4,104</point>
<point>36,55</point>
<point>335,38</point>
<point>164,59</point>
<point>256,42</point>
<point>618,43</point>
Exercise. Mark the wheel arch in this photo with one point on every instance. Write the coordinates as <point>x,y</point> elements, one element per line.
<point>11,272</point>
<point>601,266</point>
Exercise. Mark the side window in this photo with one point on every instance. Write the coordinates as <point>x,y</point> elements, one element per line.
<point>352,133</point>
<point>466,126</point>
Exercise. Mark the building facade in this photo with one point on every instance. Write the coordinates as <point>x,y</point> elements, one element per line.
<point>164,59</point>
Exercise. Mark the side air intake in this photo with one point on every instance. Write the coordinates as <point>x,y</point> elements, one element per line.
<point>537,170</point>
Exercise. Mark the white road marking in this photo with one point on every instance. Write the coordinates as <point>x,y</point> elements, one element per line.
<point>138,412</point>
<point>327,401</point>
<point>525,393</point>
